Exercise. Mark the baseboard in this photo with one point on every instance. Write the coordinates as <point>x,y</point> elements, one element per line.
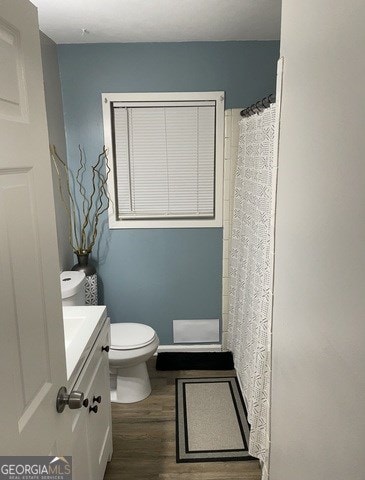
<point>211,347</point>
<point>194,361</point>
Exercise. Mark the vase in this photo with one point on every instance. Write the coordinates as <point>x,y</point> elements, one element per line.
<point>91,284</point>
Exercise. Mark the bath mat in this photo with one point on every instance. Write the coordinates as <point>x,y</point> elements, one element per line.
<point>211,420</point>
<point>194,361</point>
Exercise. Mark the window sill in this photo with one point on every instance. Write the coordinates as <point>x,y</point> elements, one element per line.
<point>168,223</point>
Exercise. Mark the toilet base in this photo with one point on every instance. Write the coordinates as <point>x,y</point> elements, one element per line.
<point>130,384</point>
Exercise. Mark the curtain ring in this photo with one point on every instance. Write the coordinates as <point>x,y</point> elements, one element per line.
<point>260,107</point>
<point>266,102</point>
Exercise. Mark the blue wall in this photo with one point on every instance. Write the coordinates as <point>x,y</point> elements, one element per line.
<point>158,275</point>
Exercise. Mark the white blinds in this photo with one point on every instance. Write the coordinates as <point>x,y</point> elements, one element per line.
<point>165,160</point>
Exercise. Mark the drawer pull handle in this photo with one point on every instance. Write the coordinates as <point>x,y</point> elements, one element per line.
<point>105,349</point>
<point>97,399</point>
<point>93,409</point>
<point>86,402</point>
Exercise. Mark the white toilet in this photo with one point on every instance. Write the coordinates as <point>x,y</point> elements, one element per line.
<point>72,288</point>
<point>132,344</point>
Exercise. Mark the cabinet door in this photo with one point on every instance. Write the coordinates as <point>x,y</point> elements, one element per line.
<point>91,432</point>
<point>80,457</point>
<point>99,423</point>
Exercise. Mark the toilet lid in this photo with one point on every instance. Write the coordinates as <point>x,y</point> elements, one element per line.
<point>71,283</point>
<point>124,336</point>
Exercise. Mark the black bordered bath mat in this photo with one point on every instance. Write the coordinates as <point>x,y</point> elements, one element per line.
<point>211,420</point>
<point>194,361</point>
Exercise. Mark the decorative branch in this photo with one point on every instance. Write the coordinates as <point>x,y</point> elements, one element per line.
<point>78,178</point>
<point>83,216</point>
<point>100,208</point>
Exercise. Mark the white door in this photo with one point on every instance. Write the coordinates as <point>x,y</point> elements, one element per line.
<point>32,362</point>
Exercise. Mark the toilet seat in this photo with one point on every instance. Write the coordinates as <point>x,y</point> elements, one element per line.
<point>128,336</point>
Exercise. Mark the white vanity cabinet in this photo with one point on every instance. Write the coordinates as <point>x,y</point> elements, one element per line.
<point>91,425</point>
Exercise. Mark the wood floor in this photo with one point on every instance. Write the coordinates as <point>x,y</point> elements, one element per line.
<point>144,438</point>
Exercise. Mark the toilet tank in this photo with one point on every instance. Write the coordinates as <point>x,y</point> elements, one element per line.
<point>72,288</point>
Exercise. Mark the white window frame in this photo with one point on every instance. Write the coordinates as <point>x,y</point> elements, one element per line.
<point>218,97</point>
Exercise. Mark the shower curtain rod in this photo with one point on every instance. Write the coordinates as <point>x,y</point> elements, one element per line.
<point>258,106</point>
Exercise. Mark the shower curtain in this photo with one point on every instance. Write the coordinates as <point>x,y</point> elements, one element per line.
<point>251,271</point>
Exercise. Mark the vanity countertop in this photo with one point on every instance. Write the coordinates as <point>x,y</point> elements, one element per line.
<point>82,325</point>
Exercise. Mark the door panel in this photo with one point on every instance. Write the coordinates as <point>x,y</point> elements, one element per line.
<point>13,104</point>
<point>16,190</point>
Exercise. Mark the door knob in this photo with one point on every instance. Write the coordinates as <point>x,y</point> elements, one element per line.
<point>74,400</point>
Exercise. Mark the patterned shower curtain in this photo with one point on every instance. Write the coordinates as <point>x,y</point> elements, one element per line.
<point>251,272</point>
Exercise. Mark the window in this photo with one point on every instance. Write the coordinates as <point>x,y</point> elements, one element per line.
<point>166,159</point>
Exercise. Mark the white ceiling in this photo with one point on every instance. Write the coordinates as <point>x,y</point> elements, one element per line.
<point>109,21</point>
